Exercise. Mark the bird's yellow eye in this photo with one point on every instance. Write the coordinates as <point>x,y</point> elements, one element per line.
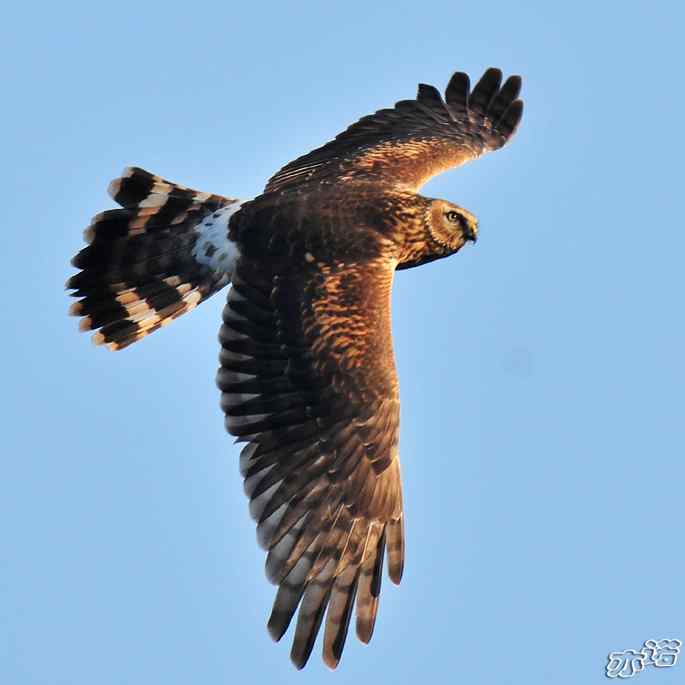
<point>452,216</point>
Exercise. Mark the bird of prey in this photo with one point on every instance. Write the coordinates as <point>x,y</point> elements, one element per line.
<point>307,373</point>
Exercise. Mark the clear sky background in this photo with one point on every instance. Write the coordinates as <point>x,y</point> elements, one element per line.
<point>541,370</point>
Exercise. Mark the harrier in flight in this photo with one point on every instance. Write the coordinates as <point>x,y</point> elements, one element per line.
<point>307,374</point>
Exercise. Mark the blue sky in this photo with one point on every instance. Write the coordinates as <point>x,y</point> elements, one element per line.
<point>541,370</point>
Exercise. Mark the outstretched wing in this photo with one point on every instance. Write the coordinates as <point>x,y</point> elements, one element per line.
<point>308,381</point>
<point>417,139</point>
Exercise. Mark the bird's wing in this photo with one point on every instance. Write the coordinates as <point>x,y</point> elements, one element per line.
<point>308,381</point>
<point>407,145</point>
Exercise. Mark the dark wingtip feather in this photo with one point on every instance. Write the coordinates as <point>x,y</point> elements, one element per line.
<point>429,95</point>
<point>457,92</point>
<point>284,607</point>
<point>485,91</point>
<point>511,118</point>
<point>506,95</point>
<point>491,76</point>
<point>493,108</point>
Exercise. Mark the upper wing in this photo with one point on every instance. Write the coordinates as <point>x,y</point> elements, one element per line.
<point>417,139</point>
<point>308,380</point>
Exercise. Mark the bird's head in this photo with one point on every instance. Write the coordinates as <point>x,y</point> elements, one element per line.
<point>450,225</point>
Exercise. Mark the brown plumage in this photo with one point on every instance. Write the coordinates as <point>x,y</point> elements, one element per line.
<point>307,373</point>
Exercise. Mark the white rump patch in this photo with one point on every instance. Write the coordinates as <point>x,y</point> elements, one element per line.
<point>213,248</point>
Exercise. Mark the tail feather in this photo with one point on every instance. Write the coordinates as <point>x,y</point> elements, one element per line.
<point>138,188</point>
<point>145,265</point>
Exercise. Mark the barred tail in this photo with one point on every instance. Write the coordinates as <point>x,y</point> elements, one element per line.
<point>161,255</point>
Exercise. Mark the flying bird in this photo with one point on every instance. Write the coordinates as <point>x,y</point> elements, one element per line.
<point>307,373</point>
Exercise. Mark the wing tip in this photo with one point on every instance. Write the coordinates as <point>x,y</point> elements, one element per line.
<point>395,574</point>
<point>331,660</point>
<point>364,633</point>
